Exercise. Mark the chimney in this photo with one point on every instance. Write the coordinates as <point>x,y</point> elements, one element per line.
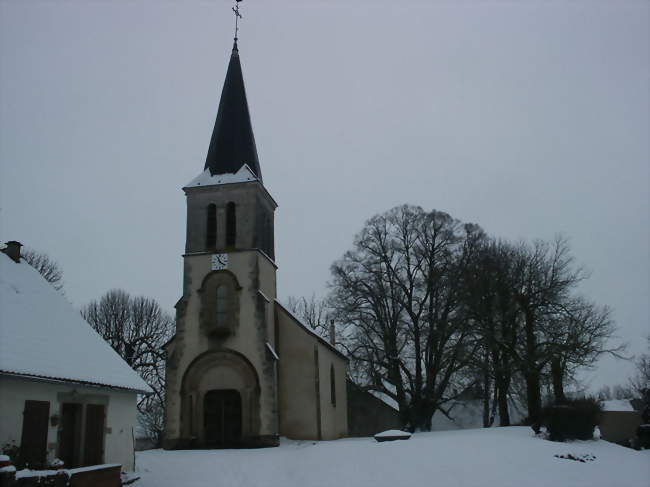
<point>332,333</point>
<point>13,250</point>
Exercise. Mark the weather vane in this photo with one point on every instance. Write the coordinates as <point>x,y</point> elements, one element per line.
<point>237,17</point>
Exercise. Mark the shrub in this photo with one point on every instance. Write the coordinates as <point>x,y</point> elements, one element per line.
<point>575,419</point>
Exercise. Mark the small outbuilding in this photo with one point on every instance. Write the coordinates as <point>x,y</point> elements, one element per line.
<point>64,392</point>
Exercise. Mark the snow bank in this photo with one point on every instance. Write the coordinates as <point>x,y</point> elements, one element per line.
<point>390,433</point>
<point>617,405</point>
<point>503,457</point>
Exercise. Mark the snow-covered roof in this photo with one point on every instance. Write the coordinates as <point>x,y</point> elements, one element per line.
<point>270,348</point>
<point>43,336</point>
<point>386,399</point>
<point>309,330</point>
<point>206,178</point>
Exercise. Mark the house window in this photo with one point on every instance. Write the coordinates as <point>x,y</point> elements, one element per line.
<point>211,227</point>
<point>231,224</point>
<point>332,386</point>
<point>221,305</point>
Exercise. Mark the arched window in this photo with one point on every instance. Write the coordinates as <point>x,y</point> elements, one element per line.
<point>231,224</point>
<point>332,385</point>
<point>221,305</point>
<point>211,227</point>
<point>219,294</point>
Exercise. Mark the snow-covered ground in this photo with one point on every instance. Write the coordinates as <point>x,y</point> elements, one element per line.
<point>617,405</point>
<point>483,457</point>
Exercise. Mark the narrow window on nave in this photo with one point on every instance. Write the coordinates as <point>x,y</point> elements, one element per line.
<point>332,385</point>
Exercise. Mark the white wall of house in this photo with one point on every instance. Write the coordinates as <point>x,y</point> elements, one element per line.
<point>121,413</point>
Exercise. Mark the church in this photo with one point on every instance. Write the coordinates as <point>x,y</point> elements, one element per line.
<point>241,369</point>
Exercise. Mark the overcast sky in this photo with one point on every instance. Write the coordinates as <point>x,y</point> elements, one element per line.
<point>528,118</point>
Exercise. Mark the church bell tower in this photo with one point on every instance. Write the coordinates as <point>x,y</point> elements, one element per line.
<point>221,365</point>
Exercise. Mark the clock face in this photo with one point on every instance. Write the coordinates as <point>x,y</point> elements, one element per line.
<point>219,262</point>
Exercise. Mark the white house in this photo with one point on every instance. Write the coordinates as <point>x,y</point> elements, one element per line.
<point>64,392</point>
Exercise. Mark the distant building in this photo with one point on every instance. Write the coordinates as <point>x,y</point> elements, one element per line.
<point>64,392</point>
<point>241,369</point>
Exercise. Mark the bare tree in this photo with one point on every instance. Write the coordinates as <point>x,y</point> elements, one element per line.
<point>399,292</point>
<point>137,328</point>
<point>46,266</point>
<point>491,304</point>
<point>430,307</point>
<point>640,382</point>
<point>546,275</point>
<point>579,332</point>
<point>314,312</point>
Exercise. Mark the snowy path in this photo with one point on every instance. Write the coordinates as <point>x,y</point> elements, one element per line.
<point>495,457</point>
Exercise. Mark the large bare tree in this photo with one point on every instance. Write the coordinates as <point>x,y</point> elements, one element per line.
<point>398,295</point>
<point>490,298</point>
<point>137,328</point>
<point>429,306</point>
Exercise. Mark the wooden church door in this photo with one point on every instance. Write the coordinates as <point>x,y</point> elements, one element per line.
<point>222,417</point>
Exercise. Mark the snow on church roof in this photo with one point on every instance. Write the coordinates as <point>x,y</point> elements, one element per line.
<point>309,330</point>
<point>206,178</point>
<point>43,336</point>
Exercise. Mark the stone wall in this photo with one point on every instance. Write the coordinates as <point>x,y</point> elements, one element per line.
<point>618,426</point>
<point>368,415</point>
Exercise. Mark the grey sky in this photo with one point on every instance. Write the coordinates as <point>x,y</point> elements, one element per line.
<point>528,118</point>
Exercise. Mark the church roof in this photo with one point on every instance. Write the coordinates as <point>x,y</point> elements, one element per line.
<point>43,337</point>
<point>306,328</point>
<point>232,144</point>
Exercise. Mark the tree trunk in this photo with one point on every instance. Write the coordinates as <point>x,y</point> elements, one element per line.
<point>486,394</point>
<point>558,381</point>
<point>533,395</point>
<point>531,373</point>
<point>502,399</point>
<point>422,417</point>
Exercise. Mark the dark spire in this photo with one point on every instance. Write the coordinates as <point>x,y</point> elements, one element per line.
<point>233,144</point>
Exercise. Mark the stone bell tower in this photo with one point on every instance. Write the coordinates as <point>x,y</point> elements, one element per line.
<point>221,364</point>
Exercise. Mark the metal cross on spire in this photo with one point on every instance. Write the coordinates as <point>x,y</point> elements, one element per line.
<point>237,17</point>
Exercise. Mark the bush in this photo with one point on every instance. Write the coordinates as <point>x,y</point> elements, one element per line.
<point>574,419</point>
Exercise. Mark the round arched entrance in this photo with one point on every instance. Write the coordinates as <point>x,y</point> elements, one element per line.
<point>220,400</point>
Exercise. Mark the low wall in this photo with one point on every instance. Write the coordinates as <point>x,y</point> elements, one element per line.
<point>617,426</point>
<point>368,415</point>
<point>93,476</point>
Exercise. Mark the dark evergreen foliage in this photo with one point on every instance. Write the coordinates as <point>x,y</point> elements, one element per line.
<point>574,419</point>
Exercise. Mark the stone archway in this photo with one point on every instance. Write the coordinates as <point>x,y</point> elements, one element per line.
<point>213,381</point>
